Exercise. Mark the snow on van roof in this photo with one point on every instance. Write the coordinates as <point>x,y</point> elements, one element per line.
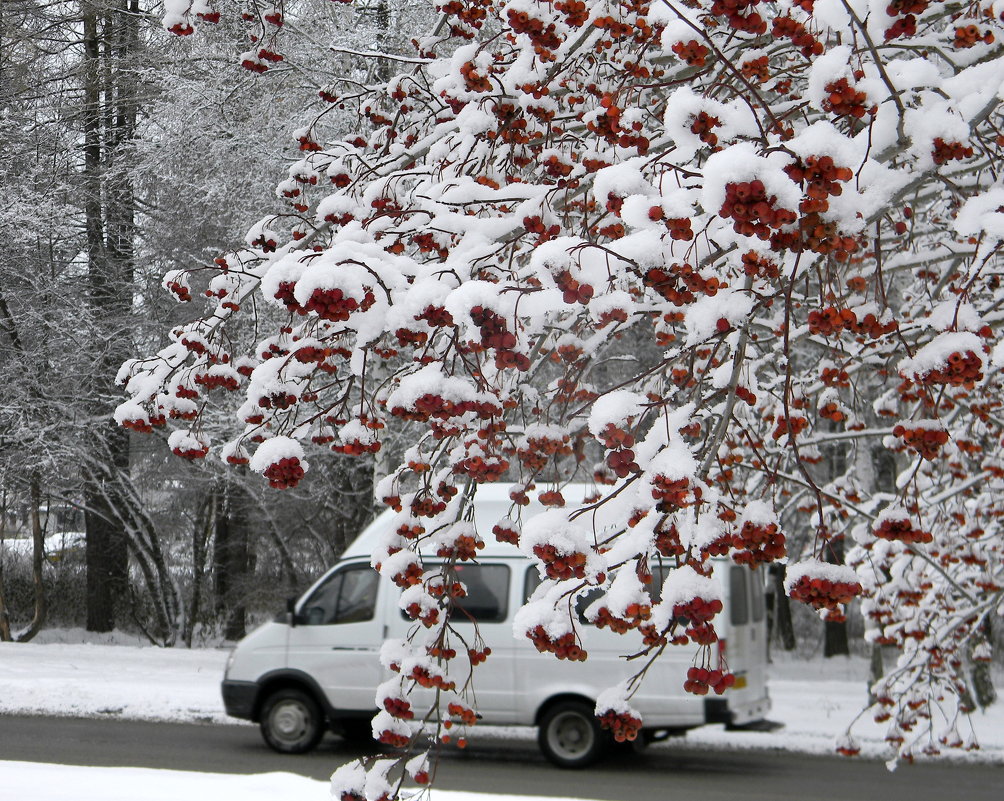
<point>491,505</point>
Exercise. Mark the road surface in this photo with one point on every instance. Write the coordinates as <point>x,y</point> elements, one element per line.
<point>510,766</point>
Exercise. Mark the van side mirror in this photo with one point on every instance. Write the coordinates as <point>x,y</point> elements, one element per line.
<point>291,611</point>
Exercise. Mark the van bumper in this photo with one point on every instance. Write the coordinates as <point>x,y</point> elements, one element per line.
<point>720,710</point>
<point>239,698</point>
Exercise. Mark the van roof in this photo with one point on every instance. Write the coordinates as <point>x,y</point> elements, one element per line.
<point>491,504</point>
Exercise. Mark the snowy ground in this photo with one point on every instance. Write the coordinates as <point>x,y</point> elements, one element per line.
<point>815,702</point>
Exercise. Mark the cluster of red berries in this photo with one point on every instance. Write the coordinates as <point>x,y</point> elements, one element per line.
<point>335,305</point>
<point>192,453</point>
<point>399,708</point>
<point>831,411</point>
<point>634,615</point>
<point>427,617</point>
<point>679,227</point>
<point>757,266</point>
<point>739,15</point>
<point>693,52</point>
<point>477,656</point>
<point>575,12</point>
<point>544,37</point>
<point>968,35</point>
<point>947,151</point>
<point>424,678</point>
<point>787,28</point>
<point>961,370</point>
<point>310,354</point>
<point>903,27</point>
<point>843,99</point>
<point>821,178</point>
<point>393,739</point>
<point>900,7</point>
<point>834,377</point>
<point>622,725</point>
<point>284,474</point>
<point>791,427</point>
<point>667,282</point>
<point>473,80</point>
<point>925,441</point>
<point>700,680</point>
<point>141,426</point>
<point>216,381</point>
<point>560,566</point>
<point>432,406</point>
<point>495,334</point>
<point>622,462</point>
<point>277,400</point>
<point>481,469</point>
<point>703,126</point>
<point>901,530</point>
<point>571,290</point>
<point>563,647</point>
<point>463,548</point>
<point>505,533</point>
<point>698,610</point>
<point>181,29</point>
<point>667,540</point>
<point>758,544</point>
<point>674,494</point>
<point>180,291</point>
<point>463,714</point>
<point>821,593</point>
<point>357,447</point>
<point>752,211</point>
<point>756,69</point>
<point>832,320</point>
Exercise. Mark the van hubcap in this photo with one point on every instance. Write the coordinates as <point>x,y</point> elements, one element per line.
<point>571,735</point>
<point>290,721</point>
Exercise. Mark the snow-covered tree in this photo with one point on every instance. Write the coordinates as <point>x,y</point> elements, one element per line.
<point>731,251</point>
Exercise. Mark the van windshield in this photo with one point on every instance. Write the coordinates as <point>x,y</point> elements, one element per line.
<point>348,596</point>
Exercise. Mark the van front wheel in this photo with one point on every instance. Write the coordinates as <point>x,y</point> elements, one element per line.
<point>291,722</point>
<point>570,735</point>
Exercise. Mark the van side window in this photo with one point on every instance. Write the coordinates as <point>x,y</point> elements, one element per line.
<point>759,601</point>
<point>487,599</point>
<point>582,603</point>
<point>737,596</point>
<point>348,596</point>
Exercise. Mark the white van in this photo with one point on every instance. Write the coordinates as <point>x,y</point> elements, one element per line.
<point>317,668</point>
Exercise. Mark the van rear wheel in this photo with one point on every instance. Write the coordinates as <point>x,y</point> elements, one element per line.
<point>570,735</point>
<point>291,721</point>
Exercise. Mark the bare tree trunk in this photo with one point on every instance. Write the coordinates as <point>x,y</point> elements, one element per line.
<point>37,562</point>
<point>109,122</point>
<point>835,641</point>
<point>231,560</point>
<point>200,536</point>
<point>4,616</point>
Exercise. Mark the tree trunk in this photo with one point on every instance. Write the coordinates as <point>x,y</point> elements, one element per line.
<point>109,122</point>
<point>231,560</point>
<point>980,676</point>
<point>200,536</point>
<point>835,641</point>
<point>37,563</point>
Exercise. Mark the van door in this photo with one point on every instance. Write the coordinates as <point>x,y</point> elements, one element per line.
<point>338,636</point>
<point>486,606</point>
<point>746,639</point>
